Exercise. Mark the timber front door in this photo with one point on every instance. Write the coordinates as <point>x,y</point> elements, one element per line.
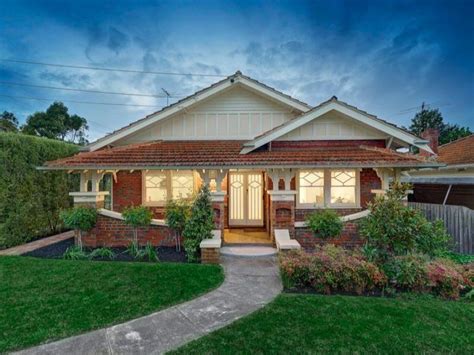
<point>246,199</point>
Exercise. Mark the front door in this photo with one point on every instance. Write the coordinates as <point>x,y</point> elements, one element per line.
<point>246,199</point>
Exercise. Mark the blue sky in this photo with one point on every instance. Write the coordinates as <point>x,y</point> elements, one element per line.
<point>385,57</point>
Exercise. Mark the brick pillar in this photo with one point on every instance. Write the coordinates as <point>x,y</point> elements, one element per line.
<point>217,199</point>
<point>282,211</point>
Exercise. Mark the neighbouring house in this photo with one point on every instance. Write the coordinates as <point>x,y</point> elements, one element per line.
<point>452,184</point>
<point>269,159</point>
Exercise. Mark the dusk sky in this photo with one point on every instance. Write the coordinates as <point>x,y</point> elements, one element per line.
<point>385,57</point>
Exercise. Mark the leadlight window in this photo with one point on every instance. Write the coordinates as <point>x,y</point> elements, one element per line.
<point>161,186</point>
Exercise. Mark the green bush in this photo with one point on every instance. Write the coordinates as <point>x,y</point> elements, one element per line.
<point>177,214</point>
<point>395,229</point>
<point>407,272</point>
<point>457,257</point>
<point>200,224</point>
<point>30,200</point>
<point>103,253</point>
<point>81,219</point>
<point>325,223</point>
<point>75,253</point>
<point>147,253</point>
<point>139,216</point>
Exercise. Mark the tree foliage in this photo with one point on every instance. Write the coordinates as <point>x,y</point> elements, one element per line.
<point>8,122</point>
<point>79,218</point>
<point>137,216</point>
<point>432,118</point>
<point>177,214</point>
<point>200,224</point>
<point>57,123</point>
<point>30,200</point>
<point>325,223</point>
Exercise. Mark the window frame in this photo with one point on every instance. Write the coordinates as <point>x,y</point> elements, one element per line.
<point>327,190</point>
<point>169,187</point>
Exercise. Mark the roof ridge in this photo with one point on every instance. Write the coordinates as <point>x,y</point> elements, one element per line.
<point>394,152</point>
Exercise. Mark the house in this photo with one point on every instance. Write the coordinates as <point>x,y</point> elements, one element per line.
<point>452,184</point>
<point>269,159</point>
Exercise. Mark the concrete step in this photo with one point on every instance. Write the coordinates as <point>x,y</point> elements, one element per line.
<point>249,251</point>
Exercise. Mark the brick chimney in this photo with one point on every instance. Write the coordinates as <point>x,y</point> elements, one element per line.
<point>431,135</point>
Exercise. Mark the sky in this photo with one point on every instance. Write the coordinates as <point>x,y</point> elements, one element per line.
<point>385,57</point>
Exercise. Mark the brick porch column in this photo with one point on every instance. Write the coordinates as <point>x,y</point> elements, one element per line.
<point>217,199</point>
<point>282,211</point>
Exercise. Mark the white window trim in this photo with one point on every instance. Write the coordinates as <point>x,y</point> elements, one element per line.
<point>327,192</point>
<point>168,174</point>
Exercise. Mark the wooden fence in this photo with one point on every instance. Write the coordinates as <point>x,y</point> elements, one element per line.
<point>459,222</point>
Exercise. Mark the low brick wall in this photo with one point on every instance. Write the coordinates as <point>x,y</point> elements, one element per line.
<point>112,232</point>
<point>349,238</point>
<point>210,255</point>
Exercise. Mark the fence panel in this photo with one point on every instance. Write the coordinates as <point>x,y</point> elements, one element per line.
<point>459,222</point>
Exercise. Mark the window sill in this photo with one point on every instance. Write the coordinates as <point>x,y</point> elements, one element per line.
<point>330,207</point>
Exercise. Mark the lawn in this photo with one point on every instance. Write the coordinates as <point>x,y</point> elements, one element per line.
<point>43,299</point>
<point>343,324</point>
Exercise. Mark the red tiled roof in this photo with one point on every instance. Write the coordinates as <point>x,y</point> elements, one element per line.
<point>227,154</point>
<point>460,151</point>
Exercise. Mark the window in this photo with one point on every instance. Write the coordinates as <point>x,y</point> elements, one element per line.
<point>161,186</point>
<point>325,187</point>
<point>343,187</point>
<point>311,184</point>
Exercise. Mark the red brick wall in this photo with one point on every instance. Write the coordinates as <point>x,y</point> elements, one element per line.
<point>349,237</point>
<point>127,191</point>
<point>113,232</point>
<point>368,181</point>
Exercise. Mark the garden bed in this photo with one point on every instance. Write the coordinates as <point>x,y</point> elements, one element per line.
<point>57,250</point>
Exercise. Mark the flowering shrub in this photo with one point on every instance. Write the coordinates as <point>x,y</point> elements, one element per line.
<point>407,273</point>
<point>446,278</point>
<point>331,269</point>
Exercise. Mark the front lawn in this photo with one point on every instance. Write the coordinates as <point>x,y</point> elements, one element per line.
<point>41,300</point>
<point>343,324</point>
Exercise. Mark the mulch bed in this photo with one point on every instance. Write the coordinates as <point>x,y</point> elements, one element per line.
<point>56,251</point>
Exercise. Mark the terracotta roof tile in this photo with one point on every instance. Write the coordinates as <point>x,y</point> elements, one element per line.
<point>460,151</point>
<point>227,154</point>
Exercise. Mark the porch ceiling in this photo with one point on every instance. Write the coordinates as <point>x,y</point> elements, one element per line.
<point>226,154</point>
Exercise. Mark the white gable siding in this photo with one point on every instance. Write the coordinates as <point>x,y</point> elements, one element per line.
<point>235,114</point>
<point>332,126</point>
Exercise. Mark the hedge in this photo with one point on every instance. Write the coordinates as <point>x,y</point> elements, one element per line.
<point>30,200</point>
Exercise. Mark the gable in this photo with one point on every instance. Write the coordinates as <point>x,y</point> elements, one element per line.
<point>333,126</point>
<point>392,132</point>
<point>137,128</point>
<point>235,114</point>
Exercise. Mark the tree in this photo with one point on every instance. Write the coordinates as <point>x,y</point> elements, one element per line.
<point>177,214</point>
<point>57,123</point>
<point>8,122</point>
<point>432,118</point>
<point>200,224</point>
<point>81,219</point>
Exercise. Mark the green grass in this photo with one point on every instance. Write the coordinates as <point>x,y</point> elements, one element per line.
<point>43,300</point>
<point>342,324</point>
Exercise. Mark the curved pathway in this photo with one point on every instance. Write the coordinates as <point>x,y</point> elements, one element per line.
<point>249,284</point>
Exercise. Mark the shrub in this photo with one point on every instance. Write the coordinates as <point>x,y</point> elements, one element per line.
<point>457,257</point>
<point>75,253</point>
<point>199,225</point>
<point>147,253</point>
<point>325,223</point>
<point>395,229</point>
<point>104,253</point>
<point>150,252</point>
<point>407,272</point>
<point>30,200</point>
<point>446,278</point>
<point>81,219</point>
<point>177,213</point>
<point>331,269</point>
<point>139,216</point>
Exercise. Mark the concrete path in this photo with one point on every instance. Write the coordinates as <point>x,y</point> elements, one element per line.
<point>249,284</point>
<point>25,248</point>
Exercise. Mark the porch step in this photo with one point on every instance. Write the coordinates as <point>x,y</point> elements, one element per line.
<point>250,251</point>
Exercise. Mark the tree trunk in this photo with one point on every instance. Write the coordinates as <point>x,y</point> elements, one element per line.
<point>79,240</point>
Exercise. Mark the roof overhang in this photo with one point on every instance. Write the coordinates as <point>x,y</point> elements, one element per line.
<point>232,81</point>
<point>350,111</point>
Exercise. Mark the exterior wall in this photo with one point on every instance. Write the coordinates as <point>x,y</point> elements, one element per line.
<point>333,125</point>
<point>235,114</point>
<point>127,191</point>
<point>349,237</point>
<point>113,232</point>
